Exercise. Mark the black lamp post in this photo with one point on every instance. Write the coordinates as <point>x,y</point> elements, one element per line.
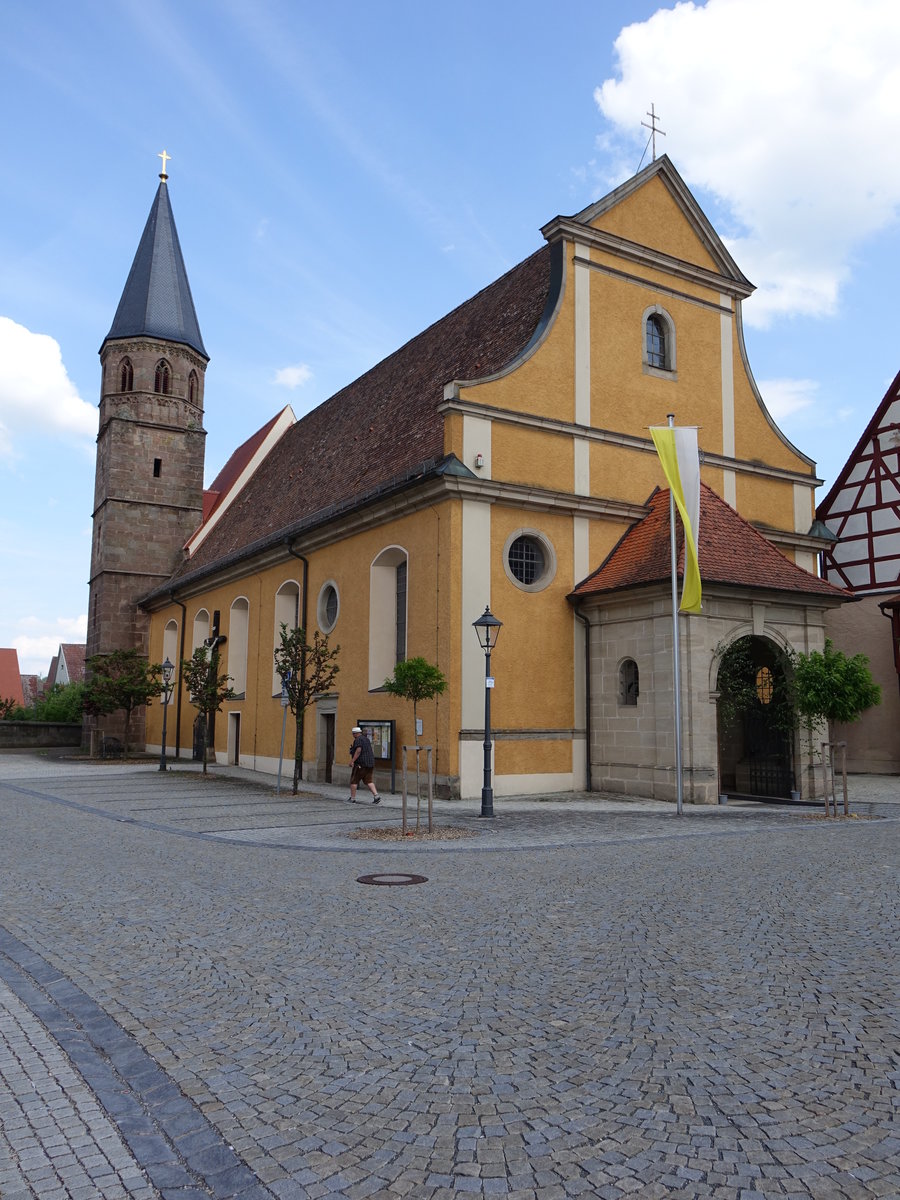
<point>168,669</point>
<point>488,629</point>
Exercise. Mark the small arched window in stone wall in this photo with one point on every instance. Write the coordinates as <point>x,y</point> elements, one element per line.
<point>126,375</point>
<point>163,379</point>
<point>629,682</point>
<point>192,387</point>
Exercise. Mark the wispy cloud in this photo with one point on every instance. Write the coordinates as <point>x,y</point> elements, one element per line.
<point>293,377</point>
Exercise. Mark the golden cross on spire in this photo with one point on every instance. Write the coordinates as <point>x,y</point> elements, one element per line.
<point>165,158</point>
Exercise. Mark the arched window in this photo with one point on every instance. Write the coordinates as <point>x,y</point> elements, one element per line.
<point>287,612</point>
<point>238,627</point>
<point>163,378</point>
<point>200,630</point>
<point>126,375</point>
<point>388,577</point>
<point>658,341</point>
<point>192,387</point>
<point>629,682</point>
<point>170,652</point>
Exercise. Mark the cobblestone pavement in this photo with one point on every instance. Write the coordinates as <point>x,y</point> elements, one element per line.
<point>586,997</point>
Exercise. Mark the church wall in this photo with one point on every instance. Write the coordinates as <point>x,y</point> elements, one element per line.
<point>652,217</point>
<point>873,743</point>
<point>526,455</point>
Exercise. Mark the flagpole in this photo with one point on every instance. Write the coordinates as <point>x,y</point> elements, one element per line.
<point>676,656</point>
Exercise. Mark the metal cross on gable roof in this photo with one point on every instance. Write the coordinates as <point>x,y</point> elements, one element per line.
<point>653,129</point>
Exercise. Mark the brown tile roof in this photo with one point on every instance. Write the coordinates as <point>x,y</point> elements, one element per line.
<point>74,655</point>
<point>237,463</point>
<point>385,423</point>
<point>10,679</point>
<point>731,552</point>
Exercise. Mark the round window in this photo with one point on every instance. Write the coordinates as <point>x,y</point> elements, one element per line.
<point>529,560</point>
<point>329,607</point>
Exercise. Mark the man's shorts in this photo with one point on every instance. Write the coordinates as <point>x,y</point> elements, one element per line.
<point>361,774</point>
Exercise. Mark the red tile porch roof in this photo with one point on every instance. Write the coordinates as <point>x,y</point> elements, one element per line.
<point>730,550</point>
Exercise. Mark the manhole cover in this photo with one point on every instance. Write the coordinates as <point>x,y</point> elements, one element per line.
<point>397,880</point>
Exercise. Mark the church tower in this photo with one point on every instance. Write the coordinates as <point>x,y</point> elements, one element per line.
<point>148,490</point>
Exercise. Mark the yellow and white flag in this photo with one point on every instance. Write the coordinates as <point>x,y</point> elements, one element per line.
<point>680,458</point>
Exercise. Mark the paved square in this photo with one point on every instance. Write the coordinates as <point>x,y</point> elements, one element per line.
<point>585,998</point>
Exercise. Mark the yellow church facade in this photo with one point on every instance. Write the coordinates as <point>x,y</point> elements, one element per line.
<point>509,454</point>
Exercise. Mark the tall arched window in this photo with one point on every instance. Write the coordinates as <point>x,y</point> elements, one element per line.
<point>170,652</point>
<point>200,631</point>
<point>163,378</point>
<point>192,387</point>
<point>658,350</point>
<point>388,596</point>
<point>126,375</point>
<point>238,627</point>
<point>287,612</point>
<point>656,342</point>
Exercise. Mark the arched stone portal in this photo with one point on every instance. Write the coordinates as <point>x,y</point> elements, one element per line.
<point>755,720</point>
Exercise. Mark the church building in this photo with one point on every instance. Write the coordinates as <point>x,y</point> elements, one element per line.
<point>509,466</point>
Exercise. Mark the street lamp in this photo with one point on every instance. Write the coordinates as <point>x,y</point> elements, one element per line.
<point>488,629</point>
<point>168,669</point>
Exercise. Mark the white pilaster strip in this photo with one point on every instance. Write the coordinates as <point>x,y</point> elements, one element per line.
<point>476,593</point>
<point>582,337</point>
<point>727,352</point>
<point>477,440</point>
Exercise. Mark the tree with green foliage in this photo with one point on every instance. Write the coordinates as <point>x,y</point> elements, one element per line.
<point>207,689</point>
<point>306,671</point>
<point>64,702</point>
<point>121,680</point>
<point>416,679</point>
<point>829,687</point>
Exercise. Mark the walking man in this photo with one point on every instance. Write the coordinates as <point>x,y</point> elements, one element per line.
<point>362,765</point>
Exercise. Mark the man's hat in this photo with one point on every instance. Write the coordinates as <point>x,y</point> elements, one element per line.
<point>356,729</point>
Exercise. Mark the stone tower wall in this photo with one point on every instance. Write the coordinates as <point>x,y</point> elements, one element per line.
<point>148,491</point>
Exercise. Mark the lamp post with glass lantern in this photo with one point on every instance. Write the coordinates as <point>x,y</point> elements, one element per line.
<point>487,628</point>
<point>168,669</point>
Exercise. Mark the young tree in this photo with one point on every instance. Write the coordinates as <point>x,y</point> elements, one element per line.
<point>306,671</point>
<point>207,689</point>
<point>416,679</point>
<point>828,686</point>
<point>121,680</point>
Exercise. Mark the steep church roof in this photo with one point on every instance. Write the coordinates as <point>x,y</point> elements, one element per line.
<point>157,298</point>
<point>730,551</point>
<point>383,428</point>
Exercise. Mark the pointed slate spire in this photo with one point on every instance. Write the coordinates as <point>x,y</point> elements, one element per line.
<point>157,298</point>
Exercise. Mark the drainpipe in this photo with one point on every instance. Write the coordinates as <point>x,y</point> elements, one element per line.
<point>587,692</point>
<point>180,661</point>
<point>302,713</point>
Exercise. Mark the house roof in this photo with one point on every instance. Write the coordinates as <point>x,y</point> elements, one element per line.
<point>10,679</point>
<point>730,550</point>
<point>157,299</point>
<point>385,425</point>
<point>73,653</point>
<point>823,509</point>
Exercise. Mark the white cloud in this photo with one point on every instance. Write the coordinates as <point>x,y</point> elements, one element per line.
<point>36,394</point>
<point>786,113</point>
<point>784,397</point>
<point>293,377</point>
<point>41,640</point>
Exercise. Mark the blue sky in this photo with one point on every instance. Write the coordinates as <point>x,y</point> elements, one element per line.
<point>342,175</point>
